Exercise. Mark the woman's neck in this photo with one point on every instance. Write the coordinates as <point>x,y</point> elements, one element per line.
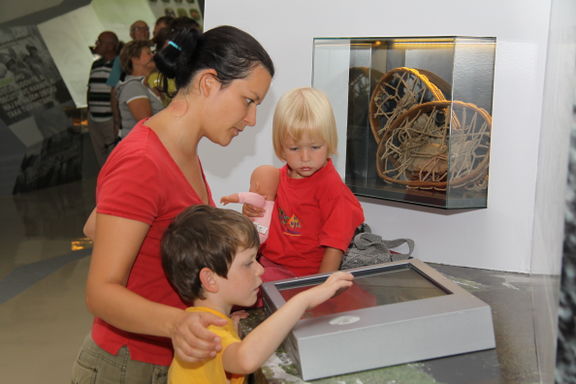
<point>175,129</point>
<point>140,71</point>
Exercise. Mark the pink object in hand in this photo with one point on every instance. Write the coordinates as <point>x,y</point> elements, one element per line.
<point>262,223</point>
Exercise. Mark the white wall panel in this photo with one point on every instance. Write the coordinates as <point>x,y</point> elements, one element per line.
<point>499,237</point>
<point>557,121</point>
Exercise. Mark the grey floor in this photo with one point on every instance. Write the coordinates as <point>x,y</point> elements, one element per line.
<point>514,360</point>
<point>43,265</point>
<point>43,319</point>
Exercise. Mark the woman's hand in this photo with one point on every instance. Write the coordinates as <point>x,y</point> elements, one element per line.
<point>191,339</point>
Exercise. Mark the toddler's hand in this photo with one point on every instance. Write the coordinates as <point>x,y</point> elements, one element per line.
<point>236,316</point>
<point>252,211</point>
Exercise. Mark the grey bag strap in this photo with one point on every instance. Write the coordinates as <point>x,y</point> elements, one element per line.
<point>368,248</point>
<point>366,240</point>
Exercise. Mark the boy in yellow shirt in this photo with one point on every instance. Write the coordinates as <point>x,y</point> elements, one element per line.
<point>209,255</point>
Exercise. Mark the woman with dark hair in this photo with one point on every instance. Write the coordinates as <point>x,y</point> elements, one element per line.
<point>221,76</point>
<point>136,101</point>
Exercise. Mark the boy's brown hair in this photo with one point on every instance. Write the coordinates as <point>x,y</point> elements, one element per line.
<point>203,237</point>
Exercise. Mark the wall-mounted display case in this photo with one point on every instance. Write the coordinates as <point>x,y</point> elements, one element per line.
<point>394,313</point>
<point>416,115</point>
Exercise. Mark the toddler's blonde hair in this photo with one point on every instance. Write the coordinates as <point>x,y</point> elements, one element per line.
<point>304,111</point>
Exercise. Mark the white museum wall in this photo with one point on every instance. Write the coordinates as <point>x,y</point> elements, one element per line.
<point>499,237</point>
<point>557,120</point>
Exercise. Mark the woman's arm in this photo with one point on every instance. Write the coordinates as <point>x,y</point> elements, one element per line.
<point>249,354</point>
<point>331,261</point>
<point>90,225</point>
<point>140,108</point>
<point>116,118</point>
<point>116,244</point>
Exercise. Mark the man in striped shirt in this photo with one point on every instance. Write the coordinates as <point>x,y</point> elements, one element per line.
<point>100,120</point>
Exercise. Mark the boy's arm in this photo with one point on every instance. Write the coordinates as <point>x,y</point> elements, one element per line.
<point>248,355</point>
<point>331,261</point>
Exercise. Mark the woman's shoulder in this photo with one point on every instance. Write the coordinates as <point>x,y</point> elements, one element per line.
<point>141,148</point>
<point>131,84</point>
<point>130,81</point>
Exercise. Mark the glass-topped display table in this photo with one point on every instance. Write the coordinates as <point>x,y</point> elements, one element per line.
<point>513,360</point>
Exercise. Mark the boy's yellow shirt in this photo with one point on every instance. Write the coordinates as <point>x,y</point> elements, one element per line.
<point>211,371</point>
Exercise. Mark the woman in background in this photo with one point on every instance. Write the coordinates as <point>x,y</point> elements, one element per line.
<point>136,101</point>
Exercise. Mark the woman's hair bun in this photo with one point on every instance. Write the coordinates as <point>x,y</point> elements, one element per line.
<point>229,51</point>
<point>180,45</point>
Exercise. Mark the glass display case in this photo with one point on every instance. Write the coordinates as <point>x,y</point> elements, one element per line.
<point>394,313</point>
<point>416,115</point>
